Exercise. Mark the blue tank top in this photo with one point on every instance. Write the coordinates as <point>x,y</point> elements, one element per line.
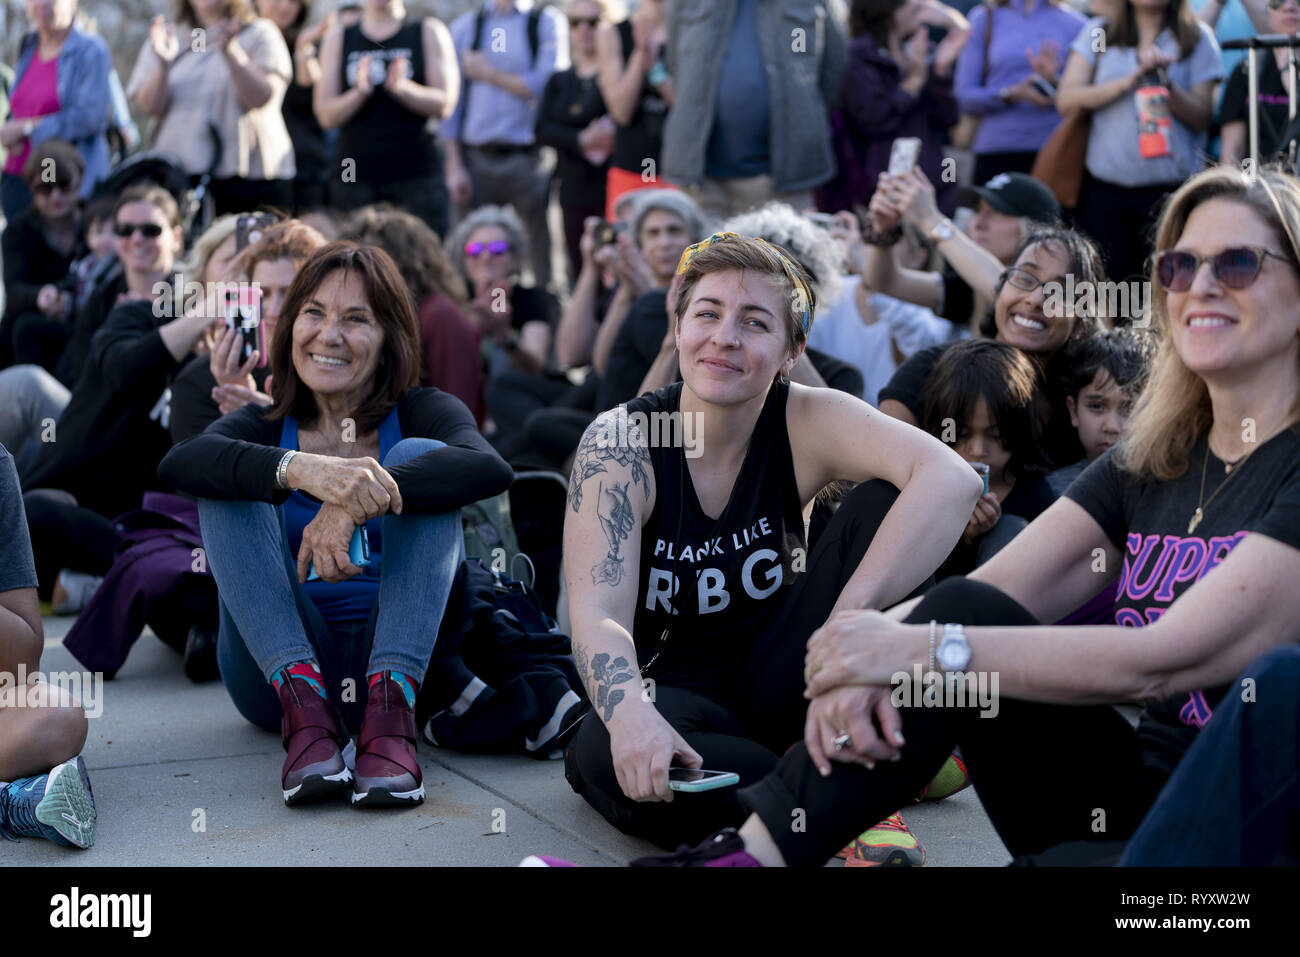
<point>354,599</point>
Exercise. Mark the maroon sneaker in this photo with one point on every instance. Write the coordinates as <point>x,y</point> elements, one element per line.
<point>388,771</point>
<point>313,733</point>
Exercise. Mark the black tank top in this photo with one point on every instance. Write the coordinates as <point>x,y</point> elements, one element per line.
<point>642,137</point>
<point>744,562</point>
<point>388,141</point>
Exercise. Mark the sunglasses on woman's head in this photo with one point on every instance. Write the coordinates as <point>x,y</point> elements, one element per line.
<point>1236,268</point>
<point>498,247</point>
<point>148,230</point>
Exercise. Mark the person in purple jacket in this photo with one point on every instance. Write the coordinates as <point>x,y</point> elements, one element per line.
<point>1006,75</point>
<point>893,88</point>
<point>287,495</point>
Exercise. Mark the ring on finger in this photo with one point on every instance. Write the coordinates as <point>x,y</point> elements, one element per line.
<point>842,740</point>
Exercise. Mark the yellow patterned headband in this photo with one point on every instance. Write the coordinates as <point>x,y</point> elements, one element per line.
<point>802,294</point>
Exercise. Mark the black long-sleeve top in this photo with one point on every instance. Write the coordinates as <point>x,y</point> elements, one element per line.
<point>568,104</point>
<point>235,458</point>
<point>30,262</point>
<point>106,447</point>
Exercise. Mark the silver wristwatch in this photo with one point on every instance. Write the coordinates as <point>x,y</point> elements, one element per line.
<point>954,649</point>
<point>942,230</point>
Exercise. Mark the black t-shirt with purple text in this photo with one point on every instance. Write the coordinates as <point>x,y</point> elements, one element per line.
<point>1149,522</point>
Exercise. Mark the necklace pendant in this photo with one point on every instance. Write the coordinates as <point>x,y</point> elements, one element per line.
<point>1196,520</point>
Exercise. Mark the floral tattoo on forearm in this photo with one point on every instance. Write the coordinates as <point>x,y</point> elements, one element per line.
<point>601,675</point>
<point>596,450</point>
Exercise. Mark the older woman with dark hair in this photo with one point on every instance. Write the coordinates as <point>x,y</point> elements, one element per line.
<point>287,500</point>
<point>216,104</point>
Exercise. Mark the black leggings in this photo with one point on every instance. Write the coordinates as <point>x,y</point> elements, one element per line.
<point>65,535</point>
<point>748,736</point>
<point>1046,774</point>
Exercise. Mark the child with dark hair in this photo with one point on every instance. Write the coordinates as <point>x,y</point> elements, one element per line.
<point>984,398</point>
<point>1104,375</point>
<point>101,245</point>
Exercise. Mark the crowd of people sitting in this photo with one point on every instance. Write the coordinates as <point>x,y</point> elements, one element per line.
<point>267,387</point>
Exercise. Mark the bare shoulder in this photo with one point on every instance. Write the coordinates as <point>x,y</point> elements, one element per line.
<point>613,450</point>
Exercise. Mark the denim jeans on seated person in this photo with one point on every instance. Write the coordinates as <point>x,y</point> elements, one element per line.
<point>267,621</point>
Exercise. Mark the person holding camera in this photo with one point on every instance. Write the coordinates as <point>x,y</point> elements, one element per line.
<point>332,528</point>
<point>113,431</point>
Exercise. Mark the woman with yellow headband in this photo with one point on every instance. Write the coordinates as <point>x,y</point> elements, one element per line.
<point>1195,515</point>
<point>692,588</point>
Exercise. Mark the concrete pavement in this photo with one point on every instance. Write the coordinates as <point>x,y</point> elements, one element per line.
<point>181,779</point>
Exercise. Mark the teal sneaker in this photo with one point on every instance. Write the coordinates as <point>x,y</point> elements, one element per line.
<point>57,806</point>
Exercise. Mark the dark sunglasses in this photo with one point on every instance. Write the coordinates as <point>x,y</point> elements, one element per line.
<point>1236,268</point>
<point>498,247</point>
<point>1276,4</point>
<point>576,22</point>
<point>45,189</point>
<point>148,230</point>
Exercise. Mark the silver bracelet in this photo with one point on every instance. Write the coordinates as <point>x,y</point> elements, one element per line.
<point>282,481</point>
<point>934,627</point>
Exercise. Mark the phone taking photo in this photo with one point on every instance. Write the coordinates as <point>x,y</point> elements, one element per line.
<point>903,154</point>
<point>244,312</point>
<point>1044,85</point>
<point>690,780</point>
<point>249,228</point>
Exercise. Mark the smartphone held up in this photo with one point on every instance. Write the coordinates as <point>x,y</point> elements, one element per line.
<point>244,312</point>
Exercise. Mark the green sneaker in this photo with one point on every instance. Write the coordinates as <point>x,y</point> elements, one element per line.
<point>952,777</point>
<point>888,844</point>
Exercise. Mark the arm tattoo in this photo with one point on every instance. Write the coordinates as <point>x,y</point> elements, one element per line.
<point>617,524</point>
<point>601,675</point>
<point>599,446</point>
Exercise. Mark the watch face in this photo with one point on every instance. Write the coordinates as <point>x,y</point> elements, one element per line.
<point>954,653</point>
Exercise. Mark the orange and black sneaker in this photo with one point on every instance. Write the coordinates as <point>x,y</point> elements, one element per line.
<point>888,844</point>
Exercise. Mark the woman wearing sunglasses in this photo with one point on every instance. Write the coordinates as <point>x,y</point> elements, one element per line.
<point>113,432</point>
<point>40,245</point>
<point>1196,513</point>
<point>488,247</point>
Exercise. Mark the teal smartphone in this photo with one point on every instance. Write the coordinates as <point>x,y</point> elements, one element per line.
<point>690,780</point>
<point>358,552</point>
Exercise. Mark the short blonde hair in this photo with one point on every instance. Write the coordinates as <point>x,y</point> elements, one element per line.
<point>745,252</point>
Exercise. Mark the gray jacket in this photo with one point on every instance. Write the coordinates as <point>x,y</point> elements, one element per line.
<point>803,48</point>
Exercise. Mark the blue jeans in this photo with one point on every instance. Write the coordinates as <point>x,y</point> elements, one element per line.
<point>1234,799</point>
<point>267,621</point>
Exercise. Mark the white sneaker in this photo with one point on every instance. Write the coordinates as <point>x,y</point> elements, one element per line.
<point>73,591</point>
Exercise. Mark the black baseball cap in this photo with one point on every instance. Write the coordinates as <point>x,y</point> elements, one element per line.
<point>1015,194</point>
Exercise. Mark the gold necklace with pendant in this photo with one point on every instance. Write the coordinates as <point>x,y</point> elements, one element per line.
<point>1230,469</point>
